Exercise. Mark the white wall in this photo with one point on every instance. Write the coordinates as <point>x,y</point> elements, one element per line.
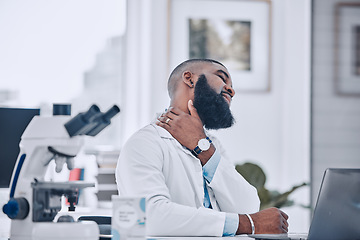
<point>46,46</point>
<point>336,119</point>
<point>273,129</point>
<point>145,91</point>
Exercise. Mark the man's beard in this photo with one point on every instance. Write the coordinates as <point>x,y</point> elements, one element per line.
<point>213,109</point>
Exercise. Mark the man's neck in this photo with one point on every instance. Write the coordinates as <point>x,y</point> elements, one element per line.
<point>182,106</point>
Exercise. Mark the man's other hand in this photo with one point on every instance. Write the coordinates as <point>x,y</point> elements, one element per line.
<point>267,221</point>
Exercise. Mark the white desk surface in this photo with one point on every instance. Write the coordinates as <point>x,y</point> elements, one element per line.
<point>239,237</point>
<point>185,238</point>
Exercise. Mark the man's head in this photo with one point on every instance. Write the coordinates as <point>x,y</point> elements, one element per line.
<point>193,65</point>
<point>208,84</point>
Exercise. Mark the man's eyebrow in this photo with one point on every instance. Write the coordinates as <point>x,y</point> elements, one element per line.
<point>223,72</point>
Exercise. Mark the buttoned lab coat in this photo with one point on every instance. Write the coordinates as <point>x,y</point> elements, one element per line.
<point>155,165</point>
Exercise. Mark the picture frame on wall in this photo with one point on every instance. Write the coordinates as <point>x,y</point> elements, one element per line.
<point>235,32</point>
<point>347,49</point>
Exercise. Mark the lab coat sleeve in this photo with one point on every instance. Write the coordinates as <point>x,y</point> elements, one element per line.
<point>139,173</point>
<point>232,192</point>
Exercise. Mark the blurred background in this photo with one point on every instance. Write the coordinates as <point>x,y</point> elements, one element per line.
<point>295,67</point>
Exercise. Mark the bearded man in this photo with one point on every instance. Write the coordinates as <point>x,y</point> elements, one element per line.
<point>191,188</point>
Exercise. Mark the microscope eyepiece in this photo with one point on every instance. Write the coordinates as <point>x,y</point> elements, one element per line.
<point>91,113</point>
<point>90,122</point>
<point>78,124</point>
<point>103,121</point>
<point>111,113</point>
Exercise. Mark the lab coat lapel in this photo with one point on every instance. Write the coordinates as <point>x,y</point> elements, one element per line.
<point>196,176</point>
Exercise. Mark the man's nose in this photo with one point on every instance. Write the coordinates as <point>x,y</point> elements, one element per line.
<point>230,90</point>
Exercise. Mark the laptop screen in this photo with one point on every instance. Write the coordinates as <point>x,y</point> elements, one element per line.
<point>337,211</point>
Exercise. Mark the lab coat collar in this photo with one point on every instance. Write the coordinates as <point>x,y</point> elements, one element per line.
<point>163,133</point>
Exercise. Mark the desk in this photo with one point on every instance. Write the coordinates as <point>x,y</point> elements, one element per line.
<point>241,237</point>
<point>186,238</point>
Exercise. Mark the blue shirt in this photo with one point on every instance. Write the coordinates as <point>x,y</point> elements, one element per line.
<point>232,219</point>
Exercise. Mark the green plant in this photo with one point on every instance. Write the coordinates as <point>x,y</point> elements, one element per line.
<point>256,177</point>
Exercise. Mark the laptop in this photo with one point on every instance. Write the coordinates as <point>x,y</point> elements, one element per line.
<point>337,211</point>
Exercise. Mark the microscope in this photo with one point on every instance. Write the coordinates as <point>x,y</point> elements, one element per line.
<point>34,202</point>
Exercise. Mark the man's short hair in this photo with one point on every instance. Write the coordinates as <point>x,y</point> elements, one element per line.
<point>172,81</point>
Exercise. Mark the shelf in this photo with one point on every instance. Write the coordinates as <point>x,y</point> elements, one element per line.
<point>107,187</point>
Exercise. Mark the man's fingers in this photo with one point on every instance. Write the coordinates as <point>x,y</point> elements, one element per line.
<point>192,109</point>
<point>170,115</point>
<point>286,223</point>
<point>163,125</point>
<point>174,110</point>
<point>285,228</point>
<point>284,215</point>
<point>164,119</point>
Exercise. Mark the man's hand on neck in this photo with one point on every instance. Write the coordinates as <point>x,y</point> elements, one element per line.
<point>186,128</point>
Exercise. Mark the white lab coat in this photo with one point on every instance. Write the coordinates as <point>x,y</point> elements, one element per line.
<point>155,165</point>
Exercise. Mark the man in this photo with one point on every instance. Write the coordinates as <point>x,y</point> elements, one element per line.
<point>191,188</point>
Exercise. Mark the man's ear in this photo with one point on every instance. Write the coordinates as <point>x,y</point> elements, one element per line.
<point>188,78</point>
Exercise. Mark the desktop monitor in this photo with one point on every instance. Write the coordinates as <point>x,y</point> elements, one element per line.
<point>13,122</point>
